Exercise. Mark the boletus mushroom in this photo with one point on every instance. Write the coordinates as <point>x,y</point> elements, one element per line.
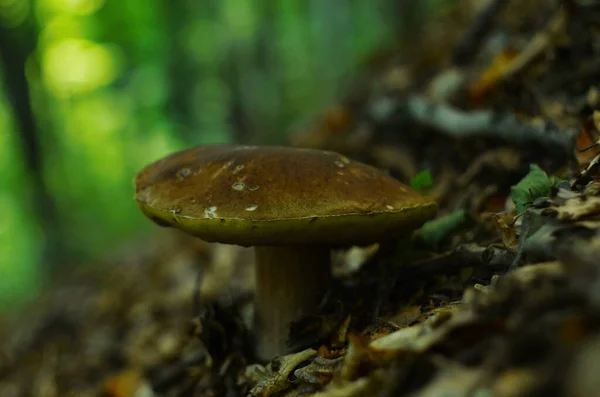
<point>292,205</point>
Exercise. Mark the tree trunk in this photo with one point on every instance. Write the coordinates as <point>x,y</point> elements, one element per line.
<point>15,46</point>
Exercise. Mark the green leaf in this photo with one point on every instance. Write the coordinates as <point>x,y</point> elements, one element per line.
<point>422,180</point>
<point>534,185</point>
<point>435,231</point>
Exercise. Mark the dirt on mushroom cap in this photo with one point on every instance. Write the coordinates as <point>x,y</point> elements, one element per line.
<point>257,195</point>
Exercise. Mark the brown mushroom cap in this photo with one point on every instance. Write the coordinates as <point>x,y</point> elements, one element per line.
<point>267,195</point>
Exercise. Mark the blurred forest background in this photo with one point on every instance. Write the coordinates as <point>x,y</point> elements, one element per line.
<point>93,90</point>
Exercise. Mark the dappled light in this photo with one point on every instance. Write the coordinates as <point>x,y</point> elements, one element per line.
<point>75,7</point>
<point>74,67</point>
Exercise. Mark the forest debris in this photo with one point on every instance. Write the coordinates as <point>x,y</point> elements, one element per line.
<point>435,231</point>
<point>529,239</point>
<point>583,377</point>
<point>576,209</point>
<point>493,75</point>
<point>276,376</point>
<point>454,379</point>
<point>461,124</point>
<point>552,34</point>
<point>397,158</point>
<point>500,222</point>
<point>361,358</point>
<point>446,86</point>
<point>587,175</point>
<point>378,328</point>
<point>319,371</point>
<point>367,386</point>
<point>534,185</point>
<point>311,329</point>
<point>508,64</point>
<point>514,382</point>
<point>438,315</point>
<point>401,339</point>
<point>338,339</point>
<point>587,140</point>
<point>593,97</point>
<point>504,160</point>
<point>465,255</point>
<point>529,273</point>
<point>129,383</point>
<point>420,337</point>
<point>539,244</point>
<point>596,119</point>
<point>407,315</point>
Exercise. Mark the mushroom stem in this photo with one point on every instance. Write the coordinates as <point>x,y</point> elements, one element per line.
<point>290,282</point>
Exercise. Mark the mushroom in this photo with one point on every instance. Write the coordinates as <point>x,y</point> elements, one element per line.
<point>293,205</point>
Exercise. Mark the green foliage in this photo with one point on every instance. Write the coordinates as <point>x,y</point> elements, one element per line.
<point>421,181</point>
<point>432,233</point>
<point>534,185</point>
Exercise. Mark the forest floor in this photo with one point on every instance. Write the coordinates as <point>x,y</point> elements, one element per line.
<point>496,114</point>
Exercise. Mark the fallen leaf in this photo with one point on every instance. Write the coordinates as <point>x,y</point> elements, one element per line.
<point>534,185</point>
<point>576,208</point>
<point>407,315</point>
<point>368,386</point>
<point>421,181</point>
<point>493,75</point>
<point>435,231</point>
<point>499,222</point>
<point>276,376</point>
<point>455,380</point>
<point>320,371</point>
<point>129,383</point>
<point>513,382</point>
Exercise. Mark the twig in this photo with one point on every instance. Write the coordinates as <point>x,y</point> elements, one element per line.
<point>494,257</point>
<point>488,124</point>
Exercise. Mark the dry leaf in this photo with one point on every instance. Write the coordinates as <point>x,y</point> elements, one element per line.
<point>493,75</point>
<point>129,383</point>
<point>500,222</point>
<point>576,208</point>
<point>320,371</point>
<point>362,387</point>
<point>274,381</point>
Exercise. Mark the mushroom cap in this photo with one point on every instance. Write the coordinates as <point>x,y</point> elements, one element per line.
<point>270,195</point>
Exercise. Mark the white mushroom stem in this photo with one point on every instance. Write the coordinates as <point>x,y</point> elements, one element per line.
<point>290,282</point>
